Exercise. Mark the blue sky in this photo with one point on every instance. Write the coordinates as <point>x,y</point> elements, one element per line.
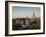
<point>25,11</point>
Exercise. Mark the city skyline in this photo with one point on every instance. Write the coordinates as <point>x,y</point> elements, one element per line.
<point>20,12</point>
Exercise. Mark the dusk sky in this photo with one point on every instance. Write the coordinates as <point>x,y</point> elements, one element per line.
<point>25,11</point>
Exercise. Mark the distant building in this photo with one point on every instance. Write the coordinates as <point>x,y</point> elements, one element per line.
<point>33,17</point>
<point>26,23</point>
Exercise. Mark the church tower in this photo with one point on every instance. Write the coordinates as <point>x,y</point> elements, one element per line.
<point>33,17</point>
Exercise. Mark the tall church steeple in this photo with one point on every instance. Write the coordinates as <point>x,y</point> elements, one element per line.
<point>33,15</point>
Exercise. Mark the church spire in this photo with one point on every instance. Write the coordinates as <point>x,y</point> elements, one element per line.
<point>33,15</point>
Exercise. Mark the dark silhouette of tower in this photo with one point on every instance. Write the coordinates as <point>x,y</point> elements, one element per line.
<point>33,17</point>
